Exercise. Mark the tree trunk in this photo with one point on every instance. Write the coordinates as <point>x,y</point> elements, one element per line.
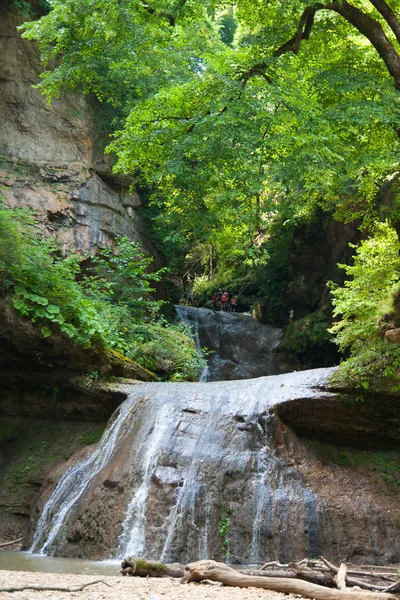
<point>213,571</point>
<point>373,31</point>
<point>363,22</point>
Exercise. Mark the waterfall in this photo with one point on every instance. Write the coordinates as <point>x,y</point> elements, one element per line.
<point>178,454</point>
<point>74,482</point>
<point>240,347</point>
<point>189,318</point>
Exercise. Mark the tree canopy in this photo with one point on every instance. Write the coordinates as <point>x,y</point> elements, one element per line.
<point>238,116</point>
<point>297,108</point>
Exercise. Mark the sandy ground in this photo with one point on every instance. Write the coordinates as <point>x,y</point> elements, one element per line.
<point>124,588</point>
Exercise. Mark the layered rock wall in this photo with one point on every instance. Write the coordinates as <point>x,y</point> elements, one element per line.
<point>52,159</point>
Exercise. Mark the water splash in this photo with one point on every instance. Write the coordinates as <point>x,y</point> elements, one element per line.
<point>133,537</point>
<point>190,319</point>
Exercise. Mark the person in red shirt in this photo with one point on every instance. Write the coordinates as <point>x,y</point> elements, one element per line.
<point>233,305</point>
<point>223,301</point>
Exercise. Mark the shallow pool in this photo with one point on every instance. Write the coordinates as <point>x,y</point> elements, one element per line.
<point>24,561</point>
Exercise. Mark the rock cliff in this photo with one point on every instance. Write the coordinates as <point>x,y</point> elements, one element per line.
<point>52,156</point>
<point>52,161</point>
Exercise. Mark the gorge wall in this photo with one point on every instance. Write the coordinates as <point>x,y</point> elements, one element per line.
<point>52,156</point>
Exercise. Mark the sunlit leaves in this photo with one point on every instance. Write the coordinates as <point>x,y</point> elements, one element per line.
<point>372,280</point>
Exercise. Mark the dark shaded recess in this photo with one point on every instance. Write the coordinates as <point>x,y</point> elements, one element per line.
<point>319,356</point>
<point>371,421</point>
<point>51,378</point>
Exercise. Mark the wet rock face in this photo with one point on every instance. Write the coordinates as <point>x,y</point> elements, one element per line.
<point>179,460</point>
<point>52,156</point>
<point>240,347</point>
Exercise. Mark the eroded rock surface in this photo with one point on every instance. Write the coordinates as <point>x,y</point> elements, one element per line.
<point>52,158</point>
<point>188,456</point>
<point>240,347</point>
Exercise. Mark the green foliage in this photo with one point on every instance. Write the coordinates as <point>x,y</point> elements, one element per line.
<point>237,146</point>
<point>242,286</point>
<point>225,532</point>
<point>312,330</point>
<point>92,437</point>
<point>27,8</point>
<point>111,306</point>
<point>383,463</point>
<point>30,452</point>
<point>367,294</point>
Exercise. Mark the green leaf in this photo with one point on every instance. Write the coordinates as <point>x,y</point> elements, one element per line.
<point>52,308</point>
<point>46,332</point>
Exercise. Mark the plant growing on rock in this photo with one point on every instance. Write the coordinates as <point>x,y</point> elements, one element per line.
<point>225,532</point>
<point>109,307</point>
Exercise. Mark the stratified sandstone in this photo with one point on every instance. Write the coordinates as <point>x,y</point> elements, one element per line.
<point>52,156</point>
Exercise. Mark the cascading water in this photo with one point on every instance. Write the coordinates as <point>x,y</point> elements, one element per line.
<point>193,323</point>
<point>73,484</point>
<point>181,453</point>
<point>241,348</point>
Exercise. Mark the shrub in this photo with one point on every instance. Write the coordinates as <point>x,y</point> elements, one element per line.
<point>373,280</point>
<point>110,306</point>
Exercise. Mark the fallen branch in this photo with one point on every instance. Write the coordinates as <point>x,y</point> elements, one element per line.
<point>341,577</point>
<point>373,567</point>
<point>43,588</point>
<point>389,575</point>
<point>394,587</point>
<point>288,574</point>
<point>274,563</point>
<point>352,581</point>
<point>378,575</point>
<point>11,543</point>
<point>313,576</point>
<point>213,571</point>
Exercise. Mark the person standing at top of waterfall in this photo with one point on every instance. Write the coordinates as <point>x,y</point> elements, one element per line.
<point>195,299</point>
<point>291,315</point>
<point>186,297</point>
<point>223,301</point>
<point>233,305</point>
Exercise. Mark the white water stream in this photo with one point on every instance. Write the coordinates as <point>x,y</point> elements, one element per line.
<point>74,482</point>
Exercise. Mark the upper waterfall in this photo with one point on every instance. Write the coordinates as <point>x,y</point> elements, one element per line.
<point>240,347</point>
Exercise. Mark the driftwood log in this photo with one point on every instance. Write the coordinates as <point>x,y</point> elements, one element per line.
<point>214,571</point>
<point>4,544</point>
<point>141,567</point>
<point>344,578</point>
